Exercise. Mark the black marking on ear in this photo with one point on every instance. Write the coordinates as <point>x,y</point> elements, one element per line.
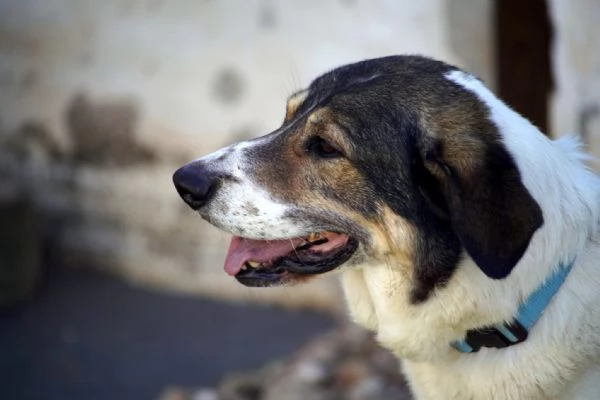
<point>496,217</point>
<point>491,211</point>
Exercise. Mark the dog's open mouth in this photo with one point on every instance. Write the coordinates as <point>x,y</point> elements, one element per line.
<point>271,262</point>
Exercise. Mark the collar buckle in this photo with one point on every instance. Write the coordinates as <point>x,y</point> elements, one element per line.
<point>530,311</point>
<point>497,336</point>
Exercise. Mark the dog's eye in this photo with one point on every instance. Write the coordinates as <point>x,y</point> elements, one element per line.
<point>322,148</point>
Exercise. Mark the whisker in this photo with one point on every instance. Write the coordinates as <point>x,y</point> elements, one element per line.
<point>294,247</point>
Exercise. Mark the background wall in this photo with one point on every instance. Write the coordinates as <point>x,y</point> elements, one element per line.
<point>575,106</point>
<point>101,101</point>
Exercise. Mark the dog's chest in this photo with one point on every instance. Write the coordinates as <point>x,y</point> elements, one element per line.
<point>483,382</point>
<point>377,297</point>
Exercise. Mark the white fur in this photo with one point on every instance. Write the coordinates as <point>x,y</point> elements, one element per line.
<point>561,357</point>
<point>241,206</point>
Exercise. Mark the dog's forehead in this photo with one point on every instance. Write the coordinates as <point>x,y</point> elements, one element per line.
<point>415,67</point>
<point>404,84</point>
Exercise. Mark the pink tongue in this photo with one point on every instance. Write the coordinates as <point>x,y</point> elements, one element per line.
<point>263,251</point>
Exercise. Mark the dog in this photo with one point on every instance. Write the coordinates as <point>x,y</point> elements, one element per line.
<point>467,240</point>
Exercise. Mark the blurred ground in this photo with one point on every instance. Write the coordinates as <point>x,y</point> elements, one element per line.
<point>344,364</point>
<point>88,336</point>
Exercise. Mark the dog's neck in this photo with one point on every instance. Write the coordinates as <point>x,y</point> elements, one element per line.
<point>507,334</point>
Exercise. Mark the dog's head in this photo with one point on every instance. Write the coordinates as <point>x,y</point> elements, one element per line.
<point>387,159</point>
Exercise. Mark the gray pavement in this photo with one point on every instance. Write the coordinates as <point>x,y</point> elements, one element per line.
<point>89,336</point>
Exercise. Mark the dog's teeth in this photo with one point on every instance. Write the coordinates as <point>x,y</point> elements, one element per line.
<point>253,264</point>
<point>314,236</point>
<point>244,267</point>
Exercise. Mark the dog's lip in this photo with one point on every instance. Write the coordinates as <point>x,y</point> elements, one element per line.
<point>294,268</point>
<point>308,254</point>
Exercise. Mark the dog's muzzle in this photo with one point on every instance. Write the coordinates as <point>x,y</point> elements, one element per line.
<point>268,247</point>
<point>195,184</point>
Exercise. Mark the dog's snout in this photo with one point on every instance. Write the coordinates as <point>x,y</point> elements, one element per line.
<point>195,184</point>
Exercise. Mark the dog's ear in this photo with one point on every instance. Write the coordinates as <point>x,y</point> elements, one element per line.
<point>477,187</point>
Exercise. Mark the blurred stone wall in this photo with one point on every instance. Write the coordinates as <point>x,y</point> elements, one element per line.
<point>101,101</point>
<point>575,107</point>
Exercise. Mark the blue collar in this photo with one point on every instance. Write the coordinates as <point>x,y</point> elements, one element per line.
<point>508,334</point>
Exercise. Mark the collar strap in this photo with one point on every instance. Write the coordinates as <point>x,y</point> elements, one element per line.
<point>508,334</point>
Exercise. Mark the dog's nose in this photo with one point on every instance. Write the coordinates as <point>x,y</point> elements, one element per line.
<point>194,184</point>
